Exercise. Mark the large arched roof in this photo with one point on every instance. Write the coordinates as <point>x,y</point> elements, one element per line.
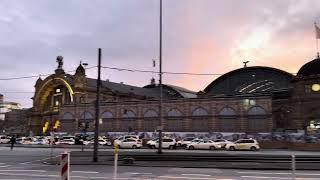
<point>255,79</point>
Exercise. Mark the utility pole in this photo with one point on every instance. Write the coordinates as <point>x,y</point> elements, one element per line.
<point>160,128</point>
<point>97,108</point>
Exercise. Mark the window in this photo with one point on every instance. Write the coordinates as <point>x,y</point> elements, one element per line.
<point>106,115</point>
<point>167,140</point>
<point>150,113</point>
<point>174,113</point>
<point>199,112</point>
<point>128,114</point>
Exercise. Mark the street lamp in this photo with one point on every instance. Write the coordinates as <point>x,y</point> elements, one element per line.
<point>160,128</point>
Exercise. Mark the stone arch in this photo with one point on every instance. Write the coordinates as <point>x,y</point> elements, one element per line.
<point>227,111</point>
<point>174,113</point>
<point>67,116</point>
<point>106,115</point>
<point>129,114</point>
<point>257,119</point>
<point>199,111</point>
<point>86,115</point>
<point>227,119</point>
<point>257,111</point>
<point>151,113</point>
<point>47,87</point>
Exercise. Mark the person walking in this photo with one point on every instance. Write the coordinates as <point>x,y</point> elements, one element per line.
<point>12,141</point>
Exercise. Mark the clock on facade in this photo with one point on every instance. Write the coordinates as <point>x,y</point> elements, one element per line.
<point>315,87</point>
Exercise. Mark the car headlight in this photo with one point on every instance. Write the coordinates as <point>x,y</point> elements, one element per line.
<point>219,146</point>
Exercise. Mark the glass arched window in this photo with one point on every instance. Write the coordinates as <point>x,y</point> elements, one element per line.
<point>200,112</point>
<point>256,111</point>
<point>86,115</point>
<point>128,114</point>
<point>257,119</point>
<point>150,113</point>
<point>174,113</point>
<point>227,119</point>
<point>67,116</point>
<point>227,111</point>
<point>106,115</point>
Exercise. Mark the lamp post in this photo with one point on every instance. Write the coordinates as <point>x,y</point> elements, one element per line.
<point>160,128</point>
<point>97,109</point>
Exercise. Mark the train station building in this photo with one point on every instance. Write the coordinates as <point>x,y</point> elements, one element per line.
<point>249,99</point>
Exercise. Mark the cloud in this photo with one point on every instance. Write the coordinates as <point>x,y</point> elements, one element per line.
<point>201,36</point>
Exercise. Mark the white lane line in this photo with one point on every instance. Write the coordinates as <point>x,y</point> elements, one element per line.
<point>137,173</point>
<point>87,172</point>
<point>21,170</point>
<point>5,166</point>
<point>265,177</point>
<point>206,175</point>
<point>183,177</point>
<point>250,172</point>
<point>307,174</point>
<point>30,175</point>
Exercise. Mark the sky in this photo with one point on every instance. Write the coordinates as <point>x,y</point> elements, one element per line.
<point>199,36</point>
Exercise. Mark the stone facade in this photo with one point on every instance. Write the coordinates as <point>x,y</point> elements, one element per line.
<point>251,99</point>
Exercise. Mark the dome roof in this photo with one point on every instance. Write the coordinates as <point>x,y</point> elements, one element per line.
<point>310,68</point>
<point>254,79</point>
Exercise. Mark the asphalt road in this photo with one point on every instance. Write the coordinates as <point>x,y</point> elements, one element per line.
<point>26,164</point>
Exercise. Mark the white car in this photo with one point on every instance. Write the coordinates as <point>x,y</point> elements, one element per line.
<point>167,143</point>
<point>152,143</point>
<point>66,141</point>
<point>129,143</point>
<point>185,141</point>
<point>243,144</point>
<point>222,142</point>
<point>101,142</point>
<point>4,139</point>
<point>203,144</point>
<point>121,138</point>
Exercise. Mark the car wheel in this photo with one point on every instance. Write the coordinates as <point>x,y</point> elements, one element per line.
<point>253,148</point>
<point>134,147</point>
<point>153,147</point>
<point>191,147</point>
<point>171,147</point>
<point>212,148</point>
<point>231,148</point>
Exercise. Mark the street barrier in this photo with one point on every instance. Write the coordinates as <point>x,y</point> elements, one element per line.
<point>116,152</point>
<point>65,166</point>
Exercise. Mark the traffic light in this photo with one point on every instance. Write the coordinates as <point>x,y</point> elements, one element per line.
<point>45,127</point>
<point>56,125</point>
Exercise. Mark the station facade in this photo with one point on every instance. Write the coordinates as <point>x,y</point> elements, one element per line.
<point>249,99</point>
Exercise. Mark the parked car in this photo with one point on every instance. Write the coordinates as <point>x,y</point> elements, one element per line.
<point>222,142</point>
<point>4,139</point>
<point>66,141</point>
<point>101,142</point>
<point>152,143</point>
<point>129,143</point>
<point>204,144</point>
<point>121,138</point>
<point>167,143</point>
<point>243,144</point>
<point>185,141</point>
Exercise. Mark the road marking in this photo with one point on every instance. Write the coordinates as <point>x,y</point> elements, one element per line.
<point>136,173</point>
<point>307,174</point>
<point>265,177</point>
<point>21,170</point>
<point>196,175</point>
<point>5,166</point>
<point>251,172</point>
<point>87,172</point>
<point>180,177</point>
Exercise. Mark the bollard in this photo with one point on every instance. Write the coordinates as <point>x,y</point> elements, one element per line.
<point>293,166</point>
<point>116,151</point>
<point>65,166</point>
